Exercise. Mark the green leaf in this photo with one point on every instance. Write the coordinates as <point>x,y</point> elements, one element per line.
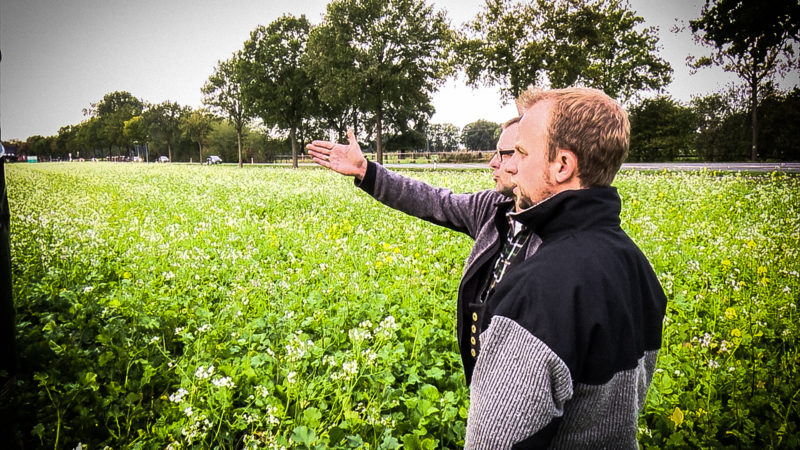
<point>312,416</point>
<point>302,435</point>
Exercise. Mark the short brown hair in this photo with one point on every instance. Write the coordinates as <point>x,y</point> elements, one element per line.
<point>588,123</point>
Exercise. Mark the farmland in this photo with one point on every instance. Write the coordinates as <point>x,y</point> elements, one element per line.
<point>177,306</point>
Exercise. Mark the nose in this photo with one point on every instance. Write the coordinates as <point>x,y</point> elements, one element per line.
<point>510,164</point>
<point>494,163</point>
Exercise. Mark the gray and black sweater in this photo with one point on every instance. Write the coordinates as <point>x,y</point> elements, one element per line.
<point>569,337</point>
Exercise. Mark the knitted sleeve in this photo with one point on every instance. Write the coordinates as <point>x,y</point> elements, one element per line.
<point>518,389</point>
<point>465,213</point>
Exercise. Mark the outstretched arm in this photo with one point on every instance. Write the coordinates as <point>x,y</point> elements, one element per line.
<point>343,159</point>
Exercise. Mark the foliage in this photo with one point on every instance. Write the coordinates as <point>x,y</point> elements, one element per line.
<point>443,137</point>
<point>755,40</point>
<point>480,135</point>
<point>721,126</point>
<point>223,93</point>
<point>188,306</point>
<point>780,120</point>
<point>276,85</point>
<point>602,44</point>
<point>661,130</point>
<point>197,126</point>
<point>597,43</point>
<point>112,112</point>
<point>382,57</point>
<point>163,121</point>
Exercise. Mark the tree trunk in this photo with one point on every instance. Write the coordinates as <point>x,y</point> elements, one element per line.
<point>239,145</point>
<point>200,146</point>
<point>379,135</point>
<point>293,139</point>
<point>169,151</point>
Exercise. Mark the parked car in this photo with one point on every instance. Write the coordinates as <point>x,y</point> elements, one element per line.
<point>213,159</point>
<point>163,159</point>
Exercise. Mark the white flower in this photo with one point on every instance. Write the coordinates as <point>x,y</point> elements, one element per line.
<point>713,364</point>
<point>386,328</point>
<point>262,391</point>
<point>177,397</point>
<point>203,373</point>
<point>291,376</point>
<point>350,367</point>
<point>188,411</point>
<point>370,356</point>
<point>706,340</point>
<point>223,382</point>
<point>204,328</point>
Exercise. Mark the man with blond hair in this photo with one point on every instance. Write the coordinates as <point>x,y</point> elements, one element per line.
<point>559,313</point>
<point>569,337</point>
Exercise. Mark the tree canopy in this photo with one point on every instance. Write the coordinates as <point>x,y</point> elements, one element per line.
<point>387,57</point>
<point>223,94</point>
<point>595,43</point>
<point>276,85</point>
<point>754,39</point>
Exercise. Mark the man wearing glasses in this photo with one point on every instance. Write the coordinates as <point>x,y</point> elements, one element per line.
<point>505,148</point>
<point>559,312</point>
<point>496,242</point>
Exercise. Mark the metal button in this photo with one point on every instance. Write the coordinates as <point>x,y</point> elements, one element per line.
<point>472,339</point>
<point>474,329</point>
<point>474,317</point>
<point>473,352</point>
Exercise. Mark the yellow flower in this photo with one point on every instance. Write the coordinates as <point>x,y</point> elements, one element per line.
<point>736,333</point>
<point>751,244</point>
<point>676,417</point>
<point>762,270</point>
<point>730,313</point>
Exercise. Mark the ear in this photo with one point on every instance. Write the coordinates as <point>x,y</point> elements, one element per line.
<point>565,166</point>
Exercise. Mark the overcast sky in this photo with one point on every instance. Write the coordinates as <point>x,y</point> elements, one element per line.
<point>60,56</point>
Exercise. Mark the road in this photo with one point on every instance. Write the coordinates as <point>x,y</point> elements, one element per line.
<point>721,167</point>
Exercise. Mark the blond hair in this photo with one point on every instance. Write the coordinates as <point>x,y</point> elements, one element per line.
<point>588,123</point>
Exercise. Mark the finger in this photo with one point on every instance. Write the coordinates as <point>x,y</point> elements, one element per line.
<point>322,144</point>
<point>322,162</point>
<point>351,136</point>
<point>315,153</point>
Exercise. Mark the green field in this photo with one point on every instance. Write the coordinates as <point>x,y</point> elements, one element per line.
<point>174,306</point>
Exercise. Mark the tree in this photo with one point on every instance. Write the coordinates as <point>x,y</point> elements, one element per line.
<point>136,132</point>
<point>602,44</point>
<point>596,43</point>
<point>661,130</point>
<point>751,38</point>
<point>277,88</point>
<point>442,137</point>
<point>112,112</point>
<point>385,57</point>
<point>223,93</point>
<point>163,122</point>
<point>780,119</point>
<point>721,124</point>
<point>480,135</point>
<point>197,126</point>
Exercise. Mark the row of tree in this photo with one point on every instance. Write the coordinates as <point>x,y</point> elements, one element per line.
<point>715,128</point>
<point>374,65</point>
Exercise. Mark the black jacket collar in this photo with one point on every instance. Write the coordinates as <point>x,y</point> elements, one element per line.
<point>573,210</point>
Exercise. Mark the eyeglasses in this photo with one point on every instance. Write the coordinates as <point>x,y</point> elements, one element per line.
<point>503,155</point>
